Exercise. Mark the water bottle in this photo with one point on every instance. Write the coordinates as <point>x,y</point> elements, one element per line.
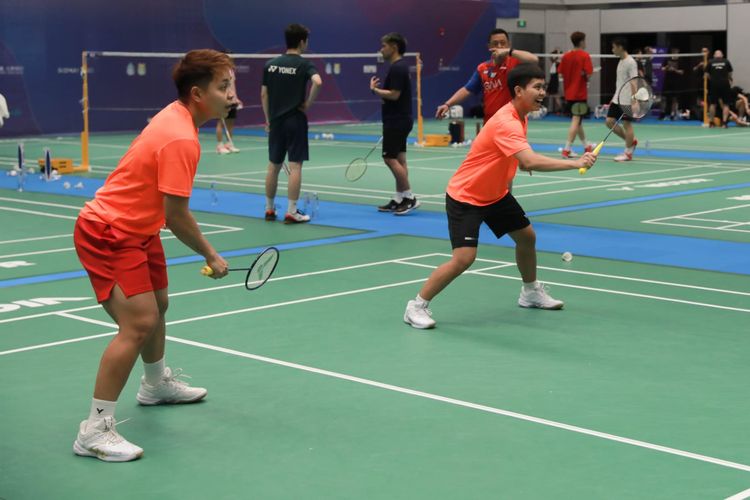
<point>214,196</point>
<point>310,204</point>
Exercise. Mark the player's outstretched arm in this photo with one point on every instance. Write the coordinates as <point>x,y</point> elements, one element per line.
<point>181,222</point>
<point>529,160</point>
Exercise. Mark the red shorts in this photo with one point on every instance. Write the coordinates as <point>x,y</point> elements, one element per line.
<point>110,256</point>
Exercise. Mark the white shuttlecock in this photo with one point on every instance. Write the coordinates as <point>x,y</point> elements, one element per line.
<point>31,170</point>
<point>567,256</point>
<point>79,185</point>
<point>13,172</point>
<point>66,185</point>
<point>642,94</point>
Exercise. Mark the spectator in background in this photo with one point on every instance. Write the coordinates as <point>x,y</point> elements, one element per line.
<point>575,69</point>
<point>673,85</point>
<point>719,72</point>
<point>738,109</point>
<point>553,86</point>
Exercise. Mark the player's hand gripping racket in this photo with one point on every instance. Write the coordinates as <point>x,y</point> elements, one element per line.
<point>358,166</point>
<point>635,98</point>
<point>259,271</point>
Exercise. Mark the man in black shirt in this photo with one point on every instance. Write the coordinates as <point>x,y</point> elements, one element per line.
<point>282,95</point>
<point>719,86</point>
<point>397,121</point>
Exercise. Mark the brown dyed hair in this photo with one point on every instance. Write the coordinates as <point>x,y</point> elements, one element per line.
<point>577,37</point>
<point>198,68</point>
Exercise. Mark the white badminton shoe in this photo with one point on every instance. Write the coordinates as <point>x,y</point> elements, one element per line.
<point>100,439</point>
<point>169,390</point>
<point>418,316</point>
<point>538,298</point>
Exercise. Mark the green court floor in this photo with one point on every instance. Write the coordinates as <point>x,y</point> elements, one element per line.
<point>637,389</point>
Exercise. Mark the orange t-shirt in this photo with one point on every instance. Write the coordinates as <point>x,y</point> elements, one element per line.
<point>484,176</point>
<point>162,160</point>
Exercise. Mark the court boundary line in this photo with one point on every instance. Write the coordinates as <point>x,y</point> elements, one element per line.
<point>443,399</point>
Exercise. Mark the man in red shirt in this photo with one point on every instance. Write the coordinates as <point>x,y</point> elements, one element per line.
<point>117,240</point>
<point>575,69</point>
<point>491,77</point>
<point>479,193</point>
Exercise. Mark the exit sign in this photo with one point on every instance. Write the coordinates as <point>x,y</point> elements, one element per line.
<point>521,23</point>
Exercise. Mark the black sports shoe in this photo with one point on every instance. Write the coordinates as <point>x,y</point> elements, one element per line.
<point>406,206</point>
<point>391,206</point>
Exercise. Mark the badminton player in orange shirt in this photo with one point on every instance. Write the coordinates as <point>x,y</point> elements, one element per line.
<point>117,240</point>
<point>478,193</point>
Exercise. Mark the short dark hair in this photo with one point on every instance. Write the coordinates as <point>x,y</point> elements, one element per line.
<point>396,38</point>
<point>577,37</point>
<point>198,68</point>
<point>521,75</point>
<point>295,34</point>
<point>498,31</point>
<point>620,42</point>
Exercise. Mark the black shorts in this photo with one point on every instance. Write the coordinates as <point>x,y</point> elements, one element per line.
<point>569,108</point>
<point>615,111</point>
<point>288,135</point>
<point>502,217</point>
<point>723,92</point>
<point>394,138</point>
<point>232,113</point>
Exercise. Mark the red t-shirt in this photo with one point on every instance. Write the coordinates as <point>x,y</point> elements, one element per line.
<point>575,68</point>
<point>492,80</point>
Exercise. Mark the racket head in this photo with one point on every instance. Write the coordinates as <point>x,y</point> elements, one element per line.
<point>579,109</point>
<point>635,98</point>
<point>262,268</point>
<point>356,169</point>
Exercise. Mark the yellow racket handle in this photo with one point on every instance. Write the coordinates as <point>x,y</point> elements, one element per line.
<point>595,152</point>
<point>207,271</point>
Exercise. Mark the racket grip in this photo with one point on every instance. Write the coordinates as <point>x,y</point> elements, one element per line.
<point>596,150</point>
<point>207,271</point>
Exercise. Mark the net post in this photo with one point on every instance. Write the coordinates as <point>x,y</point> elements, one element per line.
<point>705,90</point>
<point>420,121</point>
<point>85,104</point>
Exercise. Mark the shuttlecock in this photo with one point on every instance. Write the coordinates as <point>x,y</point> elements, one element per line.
<point>31,170</point>
<point>13,172</point>
<point>79,185</point>
<point>66,185</point>
<point>567,256</point>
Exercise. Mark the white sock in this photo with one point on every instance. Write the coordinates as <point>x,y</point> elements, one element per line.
<point>421,302</point>
<point>153,371</point>
<point>398,197</point>
<point>568,145</point>
<point>629,150</point>
<point>407,194</point>
<point>101,409</point>
<point>530,287</point>
<point>292,207</point>
<point>269,204</point>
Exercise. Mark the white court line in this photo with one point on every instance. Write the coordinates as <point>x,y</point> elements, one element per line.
<point>235,285</point>
<point>701,213</point>
<point>742,495</point>
<point>603,290</point>
<point>621,278</point>
<point>24,240</point>
<point>433,397</point>
<point>691,226</point>
<point>70,249</point>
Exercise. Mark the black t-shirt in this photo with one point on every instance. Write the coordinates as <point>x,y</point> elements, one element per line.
<point>286,78</point>
<point>718,70</point>
<point>398,111</point>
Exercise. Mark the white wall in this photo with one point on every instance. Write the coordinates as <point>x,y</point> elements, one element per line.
<point>738,53</point>
<point>701,18</point>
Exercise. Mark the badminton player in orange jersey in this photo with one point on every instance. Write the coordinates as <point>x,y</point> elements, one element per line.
<point>117,240</point>
<point>478,193</point>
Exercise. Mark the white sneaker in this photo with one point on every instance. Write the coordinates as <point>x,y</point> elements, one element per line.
<point>222,149</point>
<point>231,148</point>
<point>418,316</point>
<point>170,390</point>
<point>296,218</point>
<point>624,156</point>
<point>539,298</point>
<point>100,439</point>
